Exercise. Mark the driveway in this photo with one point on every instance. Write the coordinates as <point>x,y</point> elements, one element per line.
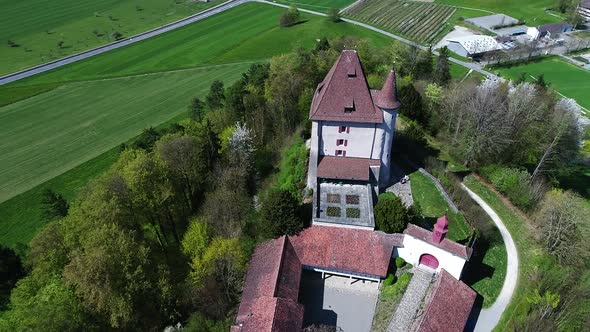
<point>335,301</point>
<point>489,317</point>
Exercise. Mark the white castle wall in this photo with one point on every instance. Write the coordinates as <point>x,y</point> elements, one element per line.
<point>414,248</point>
<point>363,140</point>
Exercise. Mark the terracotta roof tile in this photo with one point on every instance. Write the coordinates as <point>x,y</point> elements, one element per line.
<point>449,306</point>
<point>344,249</point>
<point>345,168</point>
<point>387,97</point>
<point>446,244</point>
<point>345,85</point>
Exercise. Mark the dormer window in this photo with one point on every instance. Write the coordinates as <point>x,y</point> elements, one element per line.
<point>349,106</point>
<point>351,72</point>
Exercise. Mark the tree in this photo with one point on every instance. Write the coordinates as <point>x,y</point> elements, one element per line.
<point>196,238</point>
<point>60,44</point>
<point>391,216</point>
<point>412,105</point>
<point>117,35</point>
<point>424,64</point>
<point>146,139</point>
<point>322,45</point>
<point>289,17</point>
<point>54,205</point>
<point>11,270</point>
<point>334,14</point>
<point>196,109</point>
<point>564,220</point>
<point>279,211</point>
<point>112,275</point>
<point>216,97</point>
<point>442,70</point>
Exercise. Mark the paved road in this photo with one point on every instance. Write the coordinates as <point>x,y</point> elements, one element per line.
<point>124,42</point>
<point>194,18</point>
<point>489,317</point>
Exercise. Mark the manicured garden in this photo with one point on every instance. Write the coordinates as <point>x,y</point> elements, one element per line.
<point>392,291</point>
<point>418,21</point>
<point>565,78</point>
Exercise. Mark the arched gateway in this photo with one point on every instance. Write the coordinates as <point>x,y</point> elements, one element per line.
<point>429,260</point>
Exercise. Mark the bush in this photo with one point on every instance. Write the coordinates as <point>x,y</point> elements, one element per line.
<point>390,280</point>
<point>391,216</point>
<point>398,287</point>
<point>289,18</point>
<point>514,183</point>
<point>399,262</point>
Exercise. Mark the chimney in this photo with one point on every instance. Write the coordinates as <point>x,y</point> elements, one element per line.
<point>440,229</point>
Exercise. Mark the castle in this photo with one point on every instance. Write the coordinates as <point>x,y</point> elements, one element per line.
<point>352,134</point>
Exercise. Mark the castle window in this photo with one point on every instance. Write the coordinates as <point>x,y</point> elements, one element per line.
<point>351,72</point>
<point>342,142</point>
<point>340,153</point>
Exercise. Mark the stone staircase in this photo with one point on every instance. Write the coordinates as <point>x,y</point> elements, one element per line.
<point>411,302</point>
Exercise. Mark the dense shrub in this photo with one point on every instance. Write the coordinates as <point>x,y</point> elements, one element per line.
<point>514,183</point>
<point>399,262</point>
<point>289,18</point>
<point>391,216</point>
<point>293,169</point>
<point>390,280</point>
<point>398,287</point>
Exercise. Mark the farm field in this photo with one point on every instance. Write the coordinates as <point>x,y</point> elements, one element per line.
<point>318,5</point>
<point>37,26</point>
<point>565,78</point>
<point>532,12</point>
<point>103,101</point>
<point>419,21</point>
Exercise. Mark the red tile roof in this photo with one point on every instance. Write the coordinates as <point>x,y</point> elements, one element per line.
<point>345,86</point>
<point>271,289</point>
<point>449,306</point>
<point>346,250</point>
<point>446,244</point>
<point>387,97</point>
<point>345,168</point>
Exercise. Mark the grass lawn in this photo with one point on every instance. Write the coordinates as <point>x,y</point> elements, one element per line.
<point>39,25</point>
<point>433,205</point>
<point>530,11</point>
<point>318,5</point>
<point>528,250</point>
<point>565,78</point>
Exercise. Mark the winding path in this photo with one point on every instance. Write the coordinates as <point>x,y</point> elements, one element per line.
<point>489,317</point>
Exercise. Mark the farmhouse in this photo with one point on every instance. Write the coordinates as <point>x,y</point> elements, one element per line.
<point>331,272</point>
<point>584,10</point>
<point>552,30</point>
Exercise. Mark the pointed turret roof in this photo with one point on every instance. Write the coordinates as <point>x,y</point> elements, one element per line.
<point>344,94</point>
<point>387,97</point>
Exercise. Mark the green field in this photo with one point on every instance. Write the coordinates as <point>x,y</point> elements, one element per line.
<point>532,12</point>
<point>318,5</point>
<point>39,25</point>
<point>82,110</point>
<point>565,78</point>
<point>419,21</point>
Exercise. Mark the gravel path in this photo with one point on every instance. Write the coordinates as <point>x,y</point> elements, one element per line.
<point>489,317</point>
<point>411,301</point>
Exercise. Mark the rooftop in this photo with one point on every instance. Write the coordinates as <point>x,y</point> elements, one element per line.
<point>448,307</point>
<point>345,168</point>
<point>344,94</point>
<point>554,28</point>
<point>476,44</point>
<point>446,244</point>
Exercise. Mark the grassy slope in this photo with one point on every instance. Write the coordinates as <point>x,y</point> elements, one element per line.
<point>528,251</point>
<point>20,215</point>
<point>569,80</point>
<point>530,11</point>
<point>433,205</point>
<point>38,25</point>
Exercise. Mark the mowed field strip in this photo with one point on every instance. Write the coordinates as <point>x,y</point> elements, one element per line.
<point>37,26</point>
<point>46,135</point>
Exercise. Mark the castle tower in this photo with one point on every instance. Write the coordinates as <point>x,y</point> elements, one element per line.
<point>387,101</point>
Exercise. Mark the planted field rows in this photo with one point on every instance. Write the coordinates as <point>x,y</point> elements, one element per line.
<point>418,21</point>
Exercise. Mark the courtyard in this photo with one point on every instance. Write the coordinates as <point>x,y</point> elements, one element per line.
<point>346,204</point>
<point>338,301</point>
